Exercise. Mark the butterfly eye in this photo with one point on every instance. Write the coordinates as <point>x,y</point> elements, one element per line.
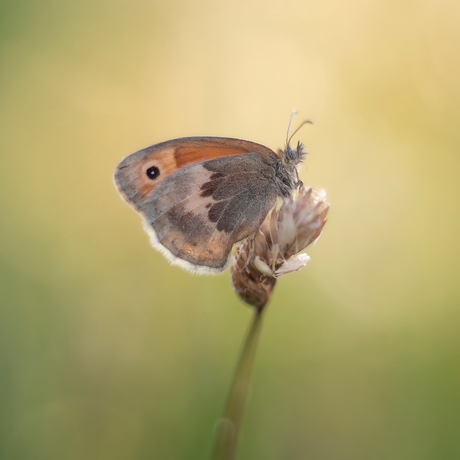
<point>292,154</point>
<point>153,172</point>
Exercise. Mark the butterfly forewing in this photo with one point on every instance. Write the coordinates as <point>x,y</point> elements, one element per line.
<point>171,157</point>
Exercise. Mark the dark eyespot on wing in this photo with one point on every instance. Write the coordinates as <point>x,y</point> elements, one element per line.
<point>153,172</point>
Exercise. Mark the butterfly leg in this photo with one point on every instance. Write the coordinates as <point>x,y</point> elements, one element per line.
<point>299,183</point>
<point>279,190</point>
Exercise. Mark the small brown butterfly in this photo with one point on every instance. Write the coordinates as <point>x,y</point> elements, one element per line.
<point>201,195</point>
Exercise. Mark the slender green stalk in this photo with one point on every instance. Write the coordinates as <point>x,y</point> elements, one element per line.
<point>230,424</point>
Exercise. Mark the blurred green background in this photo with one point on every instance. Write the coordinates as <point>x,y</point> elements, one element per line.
<point>107,352</point>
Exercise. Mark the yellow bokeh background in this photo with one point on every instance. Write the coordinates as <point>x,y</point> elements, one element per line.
<point>107,352</point>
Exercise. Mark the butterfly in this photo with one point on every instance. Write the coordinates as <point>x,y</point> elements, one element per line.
<point>199,196</point>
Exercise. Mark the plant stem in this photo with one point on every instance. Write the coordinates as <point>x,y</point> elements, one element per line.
<point>230,424</point>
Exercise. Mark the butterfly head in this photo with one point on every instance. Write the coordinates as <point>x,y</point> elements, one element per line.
<point>290,155</point>
<point>294,156</point>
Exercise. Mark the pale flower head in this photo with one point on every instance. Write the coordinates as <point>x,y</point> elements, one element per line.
<point>273,250</point>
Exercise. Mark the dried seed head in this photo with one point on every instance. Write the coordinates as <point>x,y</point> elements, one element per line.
<point>271,252</point>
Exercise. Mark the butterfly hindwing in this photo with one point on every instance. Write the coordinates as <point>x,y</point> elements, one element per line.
<point>198,213</point>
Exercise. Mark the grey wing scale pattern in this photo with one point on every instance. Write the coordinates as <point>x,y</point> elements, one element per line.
<point>200,214</point>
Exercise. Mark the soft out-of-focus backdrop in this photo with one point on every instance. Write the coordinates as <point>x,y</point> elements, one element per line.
<point>107,352</point>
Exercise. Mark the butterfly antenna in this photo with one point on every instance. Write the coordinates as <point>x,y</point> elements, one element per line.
<point>292,135</point>
<point>289,127</point>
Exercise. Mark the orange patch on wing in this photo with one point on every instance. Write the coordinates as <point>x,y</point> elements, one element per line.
<point>188,155</point>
